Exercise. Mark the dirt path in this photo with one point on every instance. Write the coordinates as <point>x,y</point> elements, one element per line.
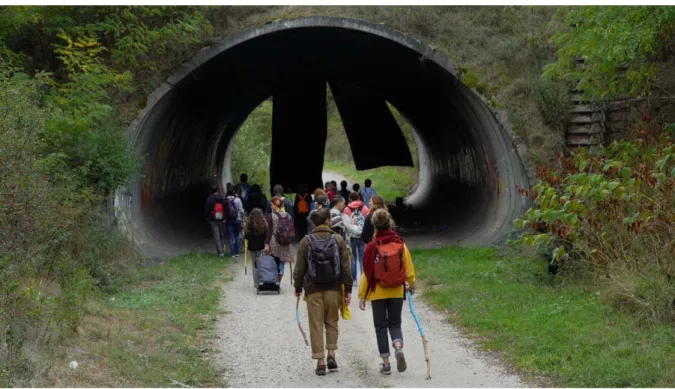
<point>337,177</point>
<point>260,346</point>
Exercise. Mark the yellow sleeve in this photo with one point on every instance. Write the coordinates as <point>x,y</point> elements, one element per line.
<point>363,288</point>
<point>409,268</point>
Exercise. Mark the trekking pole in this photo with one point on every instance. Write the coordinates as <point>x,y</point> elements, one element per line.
<point>291,277</point>
<point>297,317</point>
<point>245,256</point>
<point>421,330</point>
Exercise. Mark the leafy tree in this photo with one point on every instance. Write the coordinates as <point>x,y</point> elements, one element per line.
<point>608,38</point>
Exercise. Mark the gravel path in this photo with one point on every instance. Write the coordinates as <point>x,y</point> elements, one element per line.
<point>260,345</point>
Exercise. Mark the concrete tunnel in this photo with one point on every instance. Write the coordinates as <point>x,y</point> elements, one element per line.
<point>469,166</point>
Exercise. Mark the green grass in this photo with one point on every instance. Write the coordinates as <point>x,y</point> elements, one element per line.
<point>154,332</point>
<point>390,182</point>
<point>559,332</point>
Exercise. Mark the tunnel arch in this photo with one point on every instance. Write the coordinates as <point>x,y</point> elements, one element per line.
<point>469,165</point>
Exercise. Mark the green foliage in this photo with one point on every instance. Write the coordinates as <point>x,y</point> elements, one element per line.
<point>61,154</point>
<point>252,149</point>
<point>614,211</point>
<point>608,38</point>
<point>560,333</point>
<point>553,101</point>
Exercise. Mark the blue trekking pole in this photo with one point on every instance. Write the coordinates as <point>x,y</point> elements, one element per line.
<point>421,330</point>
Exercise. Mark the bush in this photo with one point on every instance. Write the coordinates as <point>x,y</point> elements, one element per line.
<point>552,100</point>
<point>58,162</point>
<point>614,212</point>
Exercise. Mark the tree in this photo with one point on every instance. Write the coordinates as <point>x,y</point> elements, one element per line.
<point>608,38</point>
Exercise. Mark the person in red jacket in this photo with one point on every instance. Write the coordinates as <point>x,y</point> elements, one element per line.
<point>330,191</point>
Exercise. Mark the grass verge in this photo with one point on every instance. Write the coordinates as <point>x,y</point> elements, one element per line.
<point>154,332</point>
<point>390,182</point>
<point>559,332</point>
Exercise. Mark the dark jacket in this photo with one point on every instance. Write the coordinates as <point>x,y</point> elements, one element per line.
<point>345,193</point>
<point>367,234</point>
<point>300,272</point>
<point>288,206</point>
<point>211,202</point>
<point>256,242</point>
<point>255,200</point>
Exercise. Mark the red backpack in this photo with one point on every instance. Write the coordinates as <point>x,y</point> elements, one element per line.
<point>218,213</point>
<point>389,264</point>
<point>303,204</point>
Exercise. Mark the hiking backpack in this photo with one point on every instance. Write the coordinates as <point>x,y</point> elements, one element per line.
<point>358,219</point>
<point>232,212</point>
<point>217,213</point>
<point>323,260</point>
<point>303,204</point>
<point>284,233</point>
<point>389,264</point>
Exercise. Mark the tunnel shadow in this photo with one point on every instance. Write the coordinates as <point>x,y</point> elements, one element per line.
<point>469,166</point>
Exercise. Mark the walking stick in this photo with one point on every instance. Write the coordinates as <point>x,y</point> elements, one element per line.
<point>297,317</point>
<point>291,277</point>
<point>245,256</point>
<point>421,330</point>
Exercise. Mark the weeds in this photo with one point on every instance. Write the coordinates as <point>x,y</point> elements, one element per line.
<point>612,213</point>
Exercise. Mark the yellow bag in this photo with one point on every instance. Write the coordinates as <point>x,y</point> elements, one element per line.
<point>344,308</point>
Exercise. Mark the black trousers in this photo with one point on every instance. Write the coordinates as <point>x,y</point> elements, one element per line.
<point>387,316</point>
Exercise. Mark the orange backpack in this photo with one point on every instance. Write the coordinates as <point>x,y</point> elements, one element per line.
<point>389,264</point>
<point>303,204</point>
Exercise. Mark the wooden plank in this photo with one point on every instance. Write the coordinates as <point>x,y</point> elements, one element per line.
<point>583,108</point>
<point>584,120</point>
<point>583,140</point>
<point>583,130</point>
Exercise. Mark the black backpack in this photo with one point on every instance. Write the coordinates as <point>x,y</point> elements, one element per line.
<point>323,260</point>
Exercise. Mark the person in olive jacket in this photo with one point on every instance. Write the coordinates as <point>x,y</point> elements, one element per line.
<point>323,300</point>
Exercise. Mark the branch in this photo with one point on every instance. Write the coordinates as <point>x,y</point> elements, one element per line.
<point>662,90</point>
<point>641,99</point>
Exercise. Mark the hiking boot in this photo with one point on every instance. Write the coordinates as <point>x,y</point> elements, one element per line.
<point>400,360</point>
<point>385,369</point>
<point>332,364</point>
<point>320,369</point>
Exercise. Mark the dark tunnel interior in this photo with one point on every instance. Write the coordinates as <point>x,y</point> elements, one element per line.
<point>469,167</point>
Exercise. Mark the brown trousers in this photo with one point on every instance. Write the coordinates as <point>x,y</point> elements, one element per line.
<point>323,310</point>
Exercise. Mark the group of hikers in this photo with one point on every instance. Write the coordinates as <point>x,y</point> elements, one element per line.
<point>339,234</point>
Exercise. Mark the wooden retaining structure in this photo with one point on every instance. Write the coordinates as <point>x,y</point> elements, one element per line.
<point>586,123</point>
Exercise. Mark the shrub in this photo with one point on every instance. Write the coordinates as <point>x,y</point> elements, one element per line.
<point>614,212</point>
<point>553,101</point>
